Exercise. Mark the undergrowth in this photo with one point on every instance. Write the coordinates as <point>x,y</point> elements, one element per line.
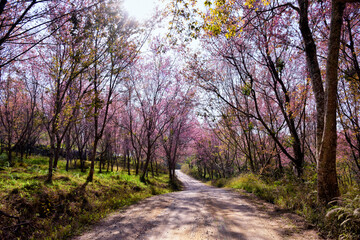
<point>344,217</point>
<point>64,208</point>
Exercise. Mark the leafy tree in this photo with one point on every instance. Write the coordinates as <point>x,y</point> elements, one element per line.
<point>112,53</point>
<point>225,18</point>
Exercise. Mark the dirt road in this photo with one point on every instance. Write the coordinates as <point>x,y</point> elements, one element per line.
<point>200,212</point>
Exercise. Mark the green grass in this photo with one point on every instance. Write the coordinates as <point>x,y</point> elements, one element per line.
<point>62,209</point>
<point>253,184</point>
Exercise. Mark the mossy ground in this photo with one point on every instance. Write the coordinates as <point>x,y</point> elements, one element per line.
<point>64,208</point>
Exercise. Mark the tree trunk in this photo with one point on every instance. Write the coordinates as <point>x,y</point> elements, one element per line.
<point>299,158</point>
<point>82,164</point>
<point>145,168</point>
<point>314,71</point>
<point>10,154</point>
<point>171,177</point>
<point>68,150</point>
<point>279,162</point>
<point>90,177</point>
<point>56,156</point>
<point>51,159</point>
<point>57,149</point>
<point>108,162</point>
<point>152,167</point>
<point>100,162</point>
<point>137,166</point>
<point>22,150</point>
<point>156,168</point>
<point>327,177</point>
<point>128,162</point>
<point>124,158</point>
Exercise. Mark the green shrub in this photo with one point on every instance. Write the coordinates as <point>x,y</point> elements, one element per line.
<point>219,182</point>
<point>4,160</point>
<point>38,160</point>
<point>343,219</point>
<point>185,169</point>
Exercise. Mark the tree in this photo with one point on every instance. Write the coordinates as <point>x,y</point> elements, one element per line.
<point>348,99</point>
<point>113,53</point>
<point>18,114</point>
<point>81,135</point>
<point>25,24</point>
<point>265,94</point>
<point>64,82</point>
<point>224,18</point>
<point>131,123</point>
<point>326,101</point>
<point>178,135</point>
<point>155,91</point>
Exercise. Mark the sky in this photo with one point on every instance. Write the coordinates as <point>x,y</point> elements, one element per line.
<point>139,9</point>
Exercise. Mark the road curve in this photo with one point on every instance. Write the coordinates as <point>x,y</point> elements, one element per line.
<point>199,212</point>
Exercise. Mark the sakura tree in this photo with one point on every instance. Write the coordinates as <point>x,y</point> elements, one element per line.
<point>319,29</point>
<point>160,102</point>
<point>18,114</point>
<point>112,52</point>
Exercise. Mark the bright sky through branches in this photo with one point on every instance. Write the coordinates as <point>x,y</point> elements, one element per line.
<point>139,9</point>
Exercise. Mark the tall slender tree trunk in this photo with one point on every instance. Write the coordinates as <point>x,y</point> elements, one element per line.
<point>152,167</point>
<point>100,162</point>
<point>90,177</point>
<point>299,158</point>
<point>156,168</point>
<point>173,173</point>
<point>327,176</point>
<point>9,148</point>
<point>68,150</point>
<point>314,71</point>
<point>51,159</point>
<point>145,168</point>
<point>82,163</point>
<point>128,162</point>
<point>125,158</point>
<point>326,135</point>
<point>171,177</point>
<point>21,154</point>
<point>137,166</point>
<point>57,153</point>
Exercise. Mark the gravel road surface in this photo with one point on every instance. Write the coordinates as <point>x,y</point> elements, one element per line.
<point>201,212</point>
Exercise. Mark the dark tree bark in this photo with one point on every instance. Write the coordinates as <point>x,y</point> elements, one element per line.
<point>314,71</point>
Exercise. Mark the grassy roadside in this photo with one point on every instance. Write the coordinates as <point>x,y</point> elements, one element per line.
<point>63,209</point>
<point>341,221</point>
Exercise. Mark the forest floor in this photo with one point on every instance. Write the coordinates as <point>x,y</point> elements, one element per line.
<point>32,209</point>
<point>201,212</point>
